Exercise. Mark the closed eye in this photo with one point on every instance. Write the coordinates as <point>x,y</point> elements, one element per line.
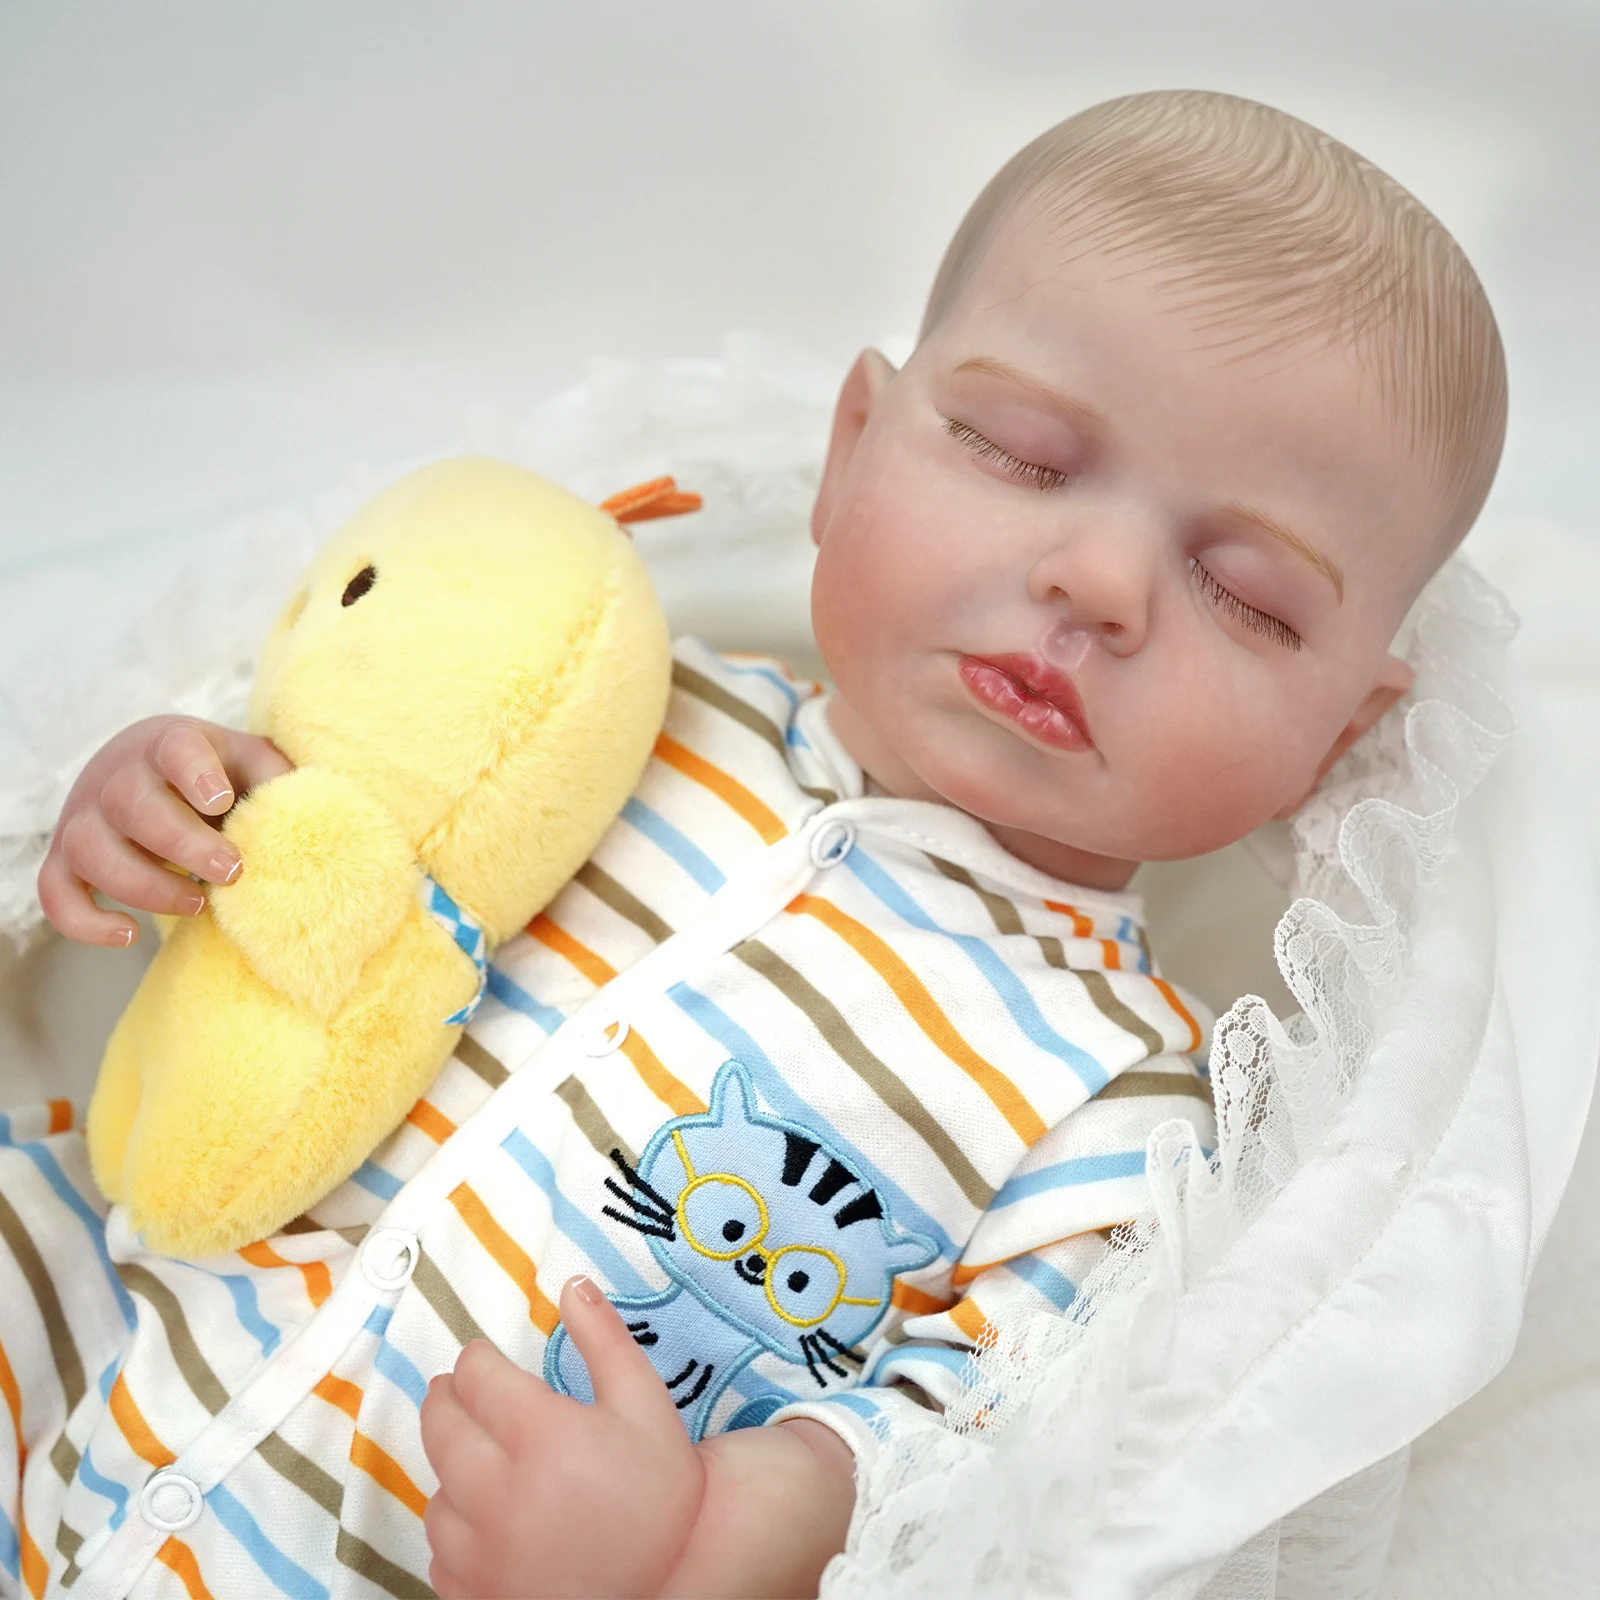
<point>1225,600</point>
<point>1029,472</point>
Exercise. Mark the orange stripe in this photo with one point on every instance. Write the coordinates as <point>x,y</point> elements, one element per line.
<point>180,1558</point>
<point>757,813</point>
<point>1113,955</point>
<point>924,1011</point>
<point>508,1255</point>
<point>139,1434</point>
<point>385,1471</point>
<point>319,1284</point>
<point>35,1569</point>
<point>972,1322</point>
<point>1082,927</point>
<point>340,1392</point>
<point>60,1116</point>
<point>661,1083</point>
<point>431,1120</point>
<point>598,971</point>
<point>917,1301</point>
<point>1177,1005</point>
<point>12,1395</point>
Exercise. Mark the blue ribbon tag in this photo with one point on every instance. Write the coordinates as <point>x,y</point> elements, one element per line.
<point>468,935</point>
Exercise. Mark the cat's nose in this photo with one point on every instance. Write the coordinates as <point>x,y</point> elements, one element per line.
<point>756,1266</point>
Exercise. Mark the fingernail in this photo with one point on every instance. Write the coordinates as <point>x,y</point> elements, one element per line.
<point>124,936</point>
<point>192,905</point>
<point>223,867</point>
<point>213,788</point>
<point>586,1289</point>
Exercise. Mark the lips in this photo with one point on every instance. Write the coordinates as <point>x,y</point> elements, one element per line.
<point>1029,691</point>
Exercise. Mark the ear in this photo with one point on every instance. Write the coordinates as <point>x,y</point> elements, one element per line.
<point>863,384</point>
<point>1394,679</point>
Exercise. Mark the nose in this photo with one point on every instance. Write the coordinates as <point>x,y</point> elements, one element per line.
<point>1097,576</point>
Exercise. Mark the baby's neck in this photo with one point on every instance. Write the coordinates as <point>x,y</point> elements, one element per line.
<point>887,772</point>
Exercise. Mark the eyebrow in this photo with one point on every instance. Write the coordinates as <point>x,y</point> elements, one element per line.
<point>1054,398</point>
<point>1303,548</point>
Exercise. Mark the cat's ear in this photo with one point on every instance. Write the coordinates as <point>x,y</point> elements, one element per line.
<point>908,1251</point>
<point>733,1095</point>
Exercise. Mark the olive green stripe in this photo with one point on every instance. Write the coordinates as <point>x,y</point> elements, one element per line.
<point>1001,911</point>
<point>604,887</point>
<point>472,1054</point>
<point>847,1045</point>
<point>64,1458</point>
<point>304,1224</point>
<point>69,1542</point>
<point>713,694</point>
<point>1098,987</point>
<point>361,1558</point>
<point>1137,1085</point>
<point>436,1289</point>
<point>205,1385</point>
<point>63,1347</point>
<point>302,1472</point>
<point>592,1121</point>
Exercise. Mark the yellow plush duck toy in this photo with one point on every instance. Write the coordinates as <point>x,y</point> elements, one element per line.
<point>469,683</point>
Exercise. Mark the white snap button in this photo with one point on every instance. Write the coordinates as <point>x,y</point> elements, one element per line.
<point>831,843</point>
<point>388,1258</point>
<point>604,1035</point>
<point>171,1502</point>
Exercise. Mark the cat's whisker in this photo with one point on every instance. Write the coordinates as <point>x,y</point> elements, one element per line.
<point>656,1229</point>
<point>638,1183</point>
<point>645,1207</point>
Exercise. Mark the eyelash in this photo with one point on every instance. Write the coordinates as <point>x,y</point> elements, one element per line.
<point>1030,472</point>
<point>1257,621</point>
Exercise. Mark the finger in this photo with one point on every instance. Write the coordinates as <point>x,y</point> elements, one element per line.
<point>454,1543</point>
<point>623,1379</point>
<point>448,1585</point>
<point>249,760</point>
<point>67,902</point>
<point>99,856</point>
<point>498,1394</point>
<point>464,1455</point>
<point>185,757</point>
<point>140,805</point>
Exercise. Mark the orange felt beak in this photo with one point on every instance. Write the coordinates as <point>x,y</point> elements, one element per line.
<point>660,497</point>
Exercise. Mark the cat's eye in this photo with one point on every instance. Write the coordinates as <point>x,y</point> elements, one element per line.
<point>804,1284</point>
<point>721,1216</point>
<point>359,585</point>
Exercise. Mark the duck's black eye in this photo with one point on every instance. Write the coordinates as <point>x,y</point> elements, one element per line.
<point>359,585</point>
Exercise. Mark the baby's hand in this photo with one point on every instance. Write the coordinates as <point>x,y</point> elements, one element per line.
<point>542,1495</point>
<point>134,806</point>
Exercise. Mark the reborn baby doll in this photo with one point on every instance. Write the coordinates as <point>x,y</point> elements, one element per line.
<point>846,1037</point>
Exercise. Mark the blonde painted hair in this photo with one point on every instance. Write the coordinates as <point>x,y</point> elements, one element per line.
<point>1269,224</point>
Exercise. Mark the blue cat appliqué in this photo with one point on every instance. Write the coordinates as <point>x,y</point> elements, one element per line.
<point>772,1243</point>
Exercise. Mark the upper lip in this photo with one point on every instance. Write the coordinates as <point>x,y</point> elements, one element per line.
<point>1048,682</point>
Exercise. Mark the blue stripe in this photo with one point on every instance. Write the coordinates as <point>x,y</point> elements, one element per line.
<point>1005,983</point>
<point>101,1484</point>
<point>589,1238</point>
<point>10,1548</point>
<point>1039,1275</point>
<point>862,1408</point>
<point>794,738</point>
<point>665,837</point>
<point>400,1371</point>
<point>107,1378</point>
<point>248,1308</point>
<point>514,997</point>
<point>378,1320</point>
<point>286,1575</point>
<point>375,1180</point>
<point>941,1355</point>
<point>747,671</point>
<point>1066,1174</point>
<point>5,1139</point>
<point>788,1104</point>
<point>57,1179</point>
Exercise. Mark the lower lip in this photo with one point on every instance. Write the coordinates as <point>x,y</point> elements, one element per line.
<point>1043,721</point>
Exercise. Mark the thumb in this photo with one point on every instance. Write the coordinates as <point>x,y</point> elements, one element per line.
<point>623,1379</point>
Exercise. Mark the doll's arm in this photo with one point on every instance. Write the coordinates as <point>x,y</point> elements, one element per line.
<point>327,880</point>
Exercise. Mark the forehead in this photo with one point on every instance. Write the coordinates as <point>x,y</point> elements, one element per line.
<point>1196,386</point>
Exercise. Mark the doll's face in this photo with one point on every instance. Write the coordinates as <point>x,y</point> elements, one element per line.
<point>1107,575</point>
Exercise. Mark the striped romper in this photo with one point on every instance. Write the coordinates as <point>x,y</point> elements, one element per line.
<point>808,1080</point>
